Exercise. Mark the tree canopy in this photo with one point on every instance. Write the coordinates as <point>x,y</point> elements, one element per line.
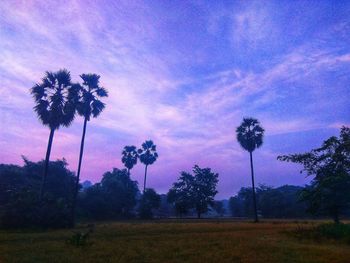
<point>195,191</point>
<point>330,167</point>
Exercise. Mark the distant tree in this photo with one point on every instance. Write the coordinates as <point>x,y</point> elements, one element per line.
<point>114,197</point>
<point>241,205</point>
<point>86,184</point>
<point>194,191</point>
<point>89,105</point>
<point>280,202</point>
<point>219,208</point>
<point>180,195</point>
<point>250,137</point>
<point>149,201</point>
<point>148,155</point>
<point>330,167</point>
<point>129,157</point>
<point>55,99</point>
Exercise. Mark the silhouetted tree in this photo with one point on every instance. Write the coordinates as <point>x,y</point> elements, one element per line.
<point>330,167</point>
<point>148,155</point>
<point>204,189</point>
<point>129,157</point>
<point>20,205</point>
<point>180,195</point>
<point>149,201</point>
<point>250,137</point>
<point>280,202</point>
<point>114,197</point>
<point>89,105</point>
<point>219,208</point>
<point>195,191</point>
<point>55,99</point>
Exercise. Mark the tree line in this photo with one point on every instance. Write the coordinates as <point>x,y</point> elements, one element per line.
<point>45,191</point>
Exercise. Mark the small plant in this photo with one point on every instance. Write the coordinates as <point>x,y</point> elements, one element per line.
<point>81,238</point>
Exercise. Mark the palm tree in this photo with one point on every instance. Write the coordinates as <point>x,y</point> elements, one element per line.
<point>250,136</point>
<point>55,99</point>
<point>89,105</point>
<point>129,157</point>
<point>148,155</point>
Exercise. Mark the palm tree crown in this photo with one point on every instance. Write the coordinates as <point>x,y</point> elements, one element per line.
<point>55,99</point>
<point>250,134</point>
<point>148,153</point>
<point>89,104</point>
<point>129,156</point>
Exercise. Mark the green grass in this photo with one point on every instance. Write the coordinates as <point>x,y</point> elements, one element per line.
<point>175,241</point>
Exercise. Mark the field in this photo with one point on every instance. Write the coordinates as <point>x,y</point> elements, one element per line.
<point>174,241</point>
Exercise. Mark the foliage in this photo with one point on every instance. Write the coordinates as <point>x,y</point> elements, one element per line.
<point>90,92</point>
<point>218,206</point>
<point>55,99</point>
<point>148,153</point>
<point>149,201</point>
<point>280,202</point>
<point>250,134</point>
<point>129,156</point>
<point>329,165</point>
<point>181,194</point>
<point>113,197</point>
<point>21,206</point>
<point>194,191</point>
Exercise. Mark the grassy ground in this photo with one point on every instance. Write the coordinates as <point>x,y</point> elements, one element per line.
<point>174,241</point>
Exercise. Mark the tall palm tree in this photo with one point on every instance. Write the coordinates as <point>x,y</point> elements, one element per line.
<point>129,157</point>
<point>148,155</point>
<point>250,136</point>
<point>55,99</point>
<point>89,105</point>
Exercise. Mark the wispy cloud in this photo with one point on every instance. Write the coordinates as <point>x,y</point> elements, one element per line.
<point>184,78</point>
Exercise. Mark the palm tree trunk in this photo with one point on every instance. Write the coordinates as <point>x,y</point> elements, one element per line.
<point>144,181</point>
<point>46,167</point>
<point>76,189</point>
<point>253,186</point>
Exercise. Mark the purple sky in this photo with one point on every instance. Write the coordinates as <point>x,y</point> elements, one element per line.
<point>184,74</point>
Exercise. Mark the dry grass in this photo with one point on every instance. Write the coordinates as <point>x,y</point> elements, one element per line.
<point>174,241</point>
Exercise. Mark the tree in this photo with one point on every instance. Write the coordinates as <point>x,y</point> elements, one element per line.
<point>180,195</point>
<point>250,137</point>
<point>329,165</point>
<point>194,191</point>
<point>148,155</point>
<point>280,202</point>
<point>20,205</point>
<point>150,200</point>
<point>89,105</point>
<point>204,189</point>
<point>219,208</point>
<point>114,197</point>
<point>129,157</point>
<point>55,99</point>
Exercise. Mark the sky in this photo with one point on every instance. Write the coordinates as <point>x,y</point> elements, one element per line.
<point>184,74</point>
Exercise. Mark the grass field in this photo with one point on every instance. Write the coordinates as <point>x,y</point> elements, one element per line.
<point>175,241</point>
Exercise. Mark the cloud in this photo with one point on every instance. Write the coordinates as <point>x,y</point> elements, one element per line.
<point>168,80</point>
